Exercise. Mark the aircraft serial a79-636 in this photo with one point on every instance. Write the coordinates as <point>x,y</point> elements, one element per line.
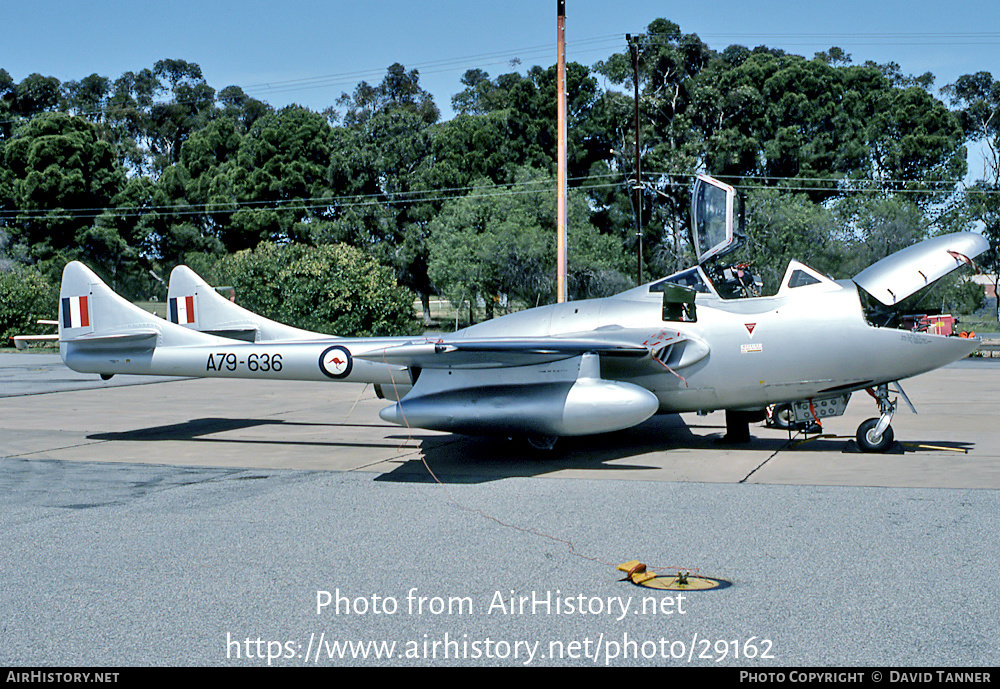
<point>694,341</point>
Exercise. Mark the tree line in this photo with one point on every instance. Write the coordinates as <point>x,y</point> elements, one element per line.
<point>841,163</point>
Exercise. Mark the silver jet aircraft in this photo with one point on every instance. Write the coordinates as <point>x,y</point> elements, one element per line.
<point>689,342</point>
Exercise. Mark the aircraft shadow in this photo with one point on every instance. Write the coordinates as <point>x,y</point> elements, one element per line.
<point>196,430</point>
<point>458,458</point>
<point>463,459</point>
<point>468,459</point>
<point>188,430</point>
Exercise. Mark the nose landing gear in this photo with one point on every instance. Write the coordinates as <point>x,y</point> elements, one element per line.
<point>875,435</point>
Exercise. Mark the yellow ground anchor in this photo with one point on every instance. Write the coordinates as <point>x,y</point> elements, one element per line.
<point>908,446</point>
<point>940,448</point>
<point>828,436</point>
<point>637,573</point>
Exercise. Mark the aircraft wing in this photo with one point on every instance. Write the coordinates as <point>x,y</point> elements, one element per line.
<point>498,352</point>
<point>21,341</point>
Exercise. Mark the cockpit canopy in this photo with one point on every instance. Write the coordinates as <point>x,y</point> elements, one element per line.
<point>717,228</point>
<point>716,218</point>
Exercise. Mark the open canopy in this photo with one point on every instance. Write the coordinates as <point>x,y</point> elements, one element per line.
<point>896,277</point>
<point>715,214</point>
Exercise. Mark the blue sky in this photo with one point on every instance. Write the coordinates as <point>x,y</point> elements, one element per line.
<point>270,47</point>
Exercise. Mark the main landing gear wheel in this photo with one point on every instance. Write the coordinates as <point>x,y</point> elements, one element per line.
<point>869,440</point>
<point>544,443</point>
<point>782,416</point>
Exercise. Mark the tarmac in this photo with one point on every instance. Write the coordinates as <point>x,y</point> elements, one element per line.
<point>225,522</point>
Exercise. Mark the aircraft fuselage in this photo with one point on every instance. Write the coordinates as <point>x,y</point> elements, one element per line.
<point>760,351</point>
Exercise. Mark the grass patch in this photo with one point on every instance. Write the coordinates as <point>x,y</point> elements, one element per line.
<point>157,307</point>
<point>978,324</point>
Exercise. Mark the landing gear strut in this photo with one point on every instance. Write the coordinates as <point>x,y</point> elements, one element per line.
<point>738,425</point>
<point>875,435</point>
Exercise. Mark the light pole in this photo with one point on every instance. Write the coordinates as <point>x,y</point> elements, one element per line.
<point>634,50</point>
<point>561,163</point>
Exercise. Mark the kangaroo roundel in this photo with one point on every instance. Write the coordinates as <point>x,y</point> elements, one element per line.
<point>336,362</point>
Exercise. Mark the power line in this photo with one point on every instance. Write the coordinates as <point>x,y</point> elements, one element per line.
<point>587,183</point>
<point>353,78</point>
<point>599,43</point>
<point>433,66</point>
<point>316,203</point>
<point>869,38</point>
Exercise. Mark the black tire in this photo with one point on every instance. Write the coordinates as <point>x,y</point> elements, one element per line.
<point>866,444</point>
<point>542,443</point>
<point>782,417</point>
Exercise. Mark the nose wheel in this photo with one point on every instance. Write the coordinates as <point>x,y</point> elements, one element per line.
<point>875,435</point>
<point>870,439</point>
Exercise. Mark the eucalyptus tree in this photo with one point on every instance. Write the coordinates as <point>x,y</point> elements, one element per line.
<point>36,94</point>
<point>822,125</point>
<point>668,63</point>
<point>525,105</point>
<point>191,103</point>
<point>61,173</point>
<point>978,98</point>
<point>380,203</point>
<point>498,242</point>
<point>88,97</point>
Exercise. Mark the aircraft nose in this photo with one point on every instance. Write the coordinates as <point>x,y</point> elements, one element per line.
<point>939,351</point>
<point>971,344</point>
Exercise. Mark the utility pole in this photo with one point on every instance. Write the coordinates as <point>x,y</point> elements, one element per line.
<point>561,162</point>
<point>634,50</point>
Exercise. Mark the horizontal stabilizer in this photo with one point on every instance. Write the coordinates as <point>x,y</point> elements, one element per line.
<point>247,334</point>
<point>21,341</point>
<point>132,339</point>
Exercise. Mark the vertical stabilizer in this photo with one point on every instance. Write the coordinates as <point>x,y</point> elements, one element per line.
<point>93,319</point>
<point>196,305</point>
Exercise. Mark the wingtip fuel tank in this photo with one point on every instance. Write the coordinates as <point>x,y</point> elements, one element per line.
<point>559,407</point>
